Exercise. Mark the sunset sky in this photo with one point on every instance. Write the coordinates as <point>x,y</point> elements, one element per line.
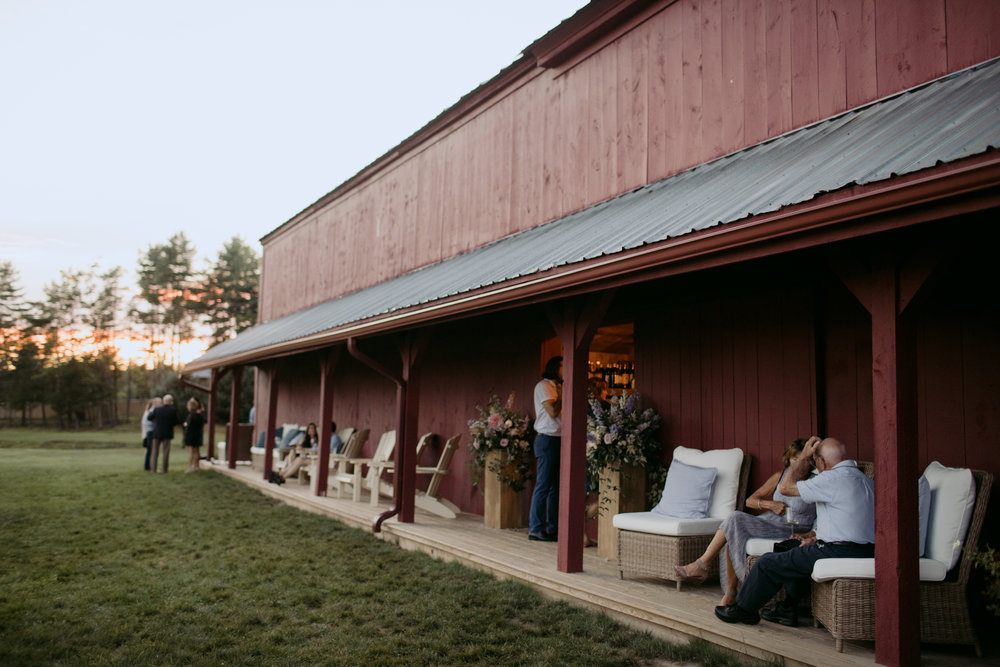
<point>124,122</point>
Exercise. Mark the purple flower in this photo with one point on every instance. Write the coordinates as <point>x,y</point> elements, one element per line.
<point>608,438</point>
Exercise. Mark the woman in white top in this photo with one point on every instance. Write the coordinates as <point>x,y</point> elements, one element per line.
<point>544,515</point>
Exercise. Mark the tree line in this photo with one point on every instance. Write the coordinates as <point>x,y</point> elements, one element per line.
<point>62,353</point>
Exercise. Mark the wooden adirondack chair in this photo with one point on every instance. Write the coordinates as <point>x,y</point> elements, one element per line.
<point>374,464</point>
<point>384,488</point>
<point>306,472</point>
<point>429,501</point>
<point>344,471</point>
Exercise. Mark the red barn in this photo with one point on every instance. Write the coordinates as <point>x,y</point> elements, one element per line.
<point>779,213</point>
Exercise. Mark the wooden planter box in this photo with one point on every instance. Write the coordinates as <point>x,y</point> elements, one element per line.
<point>623,491</point>
<point>502,505</point>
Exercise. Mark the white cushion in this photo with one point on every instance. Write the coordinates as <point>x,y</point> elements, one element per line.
<point>953,495</point>
<point>687,491</point>
<point>658,524</point>
<point>760,545</point>
<point>258,450</point>
<point>826,569</point>
<point>727,483</point>
<point>924,511</point>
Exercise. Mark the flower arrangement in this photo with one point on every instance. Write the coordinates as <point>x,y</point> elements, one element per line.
<point>499,428</point>
<point>618,432</point>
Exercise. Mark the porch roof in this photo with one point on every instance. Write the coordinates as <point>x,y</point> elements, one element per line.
<point>955,117</point>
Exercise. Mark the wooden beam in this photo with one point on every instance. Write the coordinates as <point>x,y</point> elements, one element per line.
<point>327,368</point>
<point>213,387</point>
<point>897,580</point>
<point>575,323</point>
<point>234,416</point>
<point>273,373</point>
<point>404,476</point>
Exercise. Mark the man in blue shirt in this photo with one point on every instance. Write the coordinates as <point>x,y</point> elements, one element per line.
<point>845,528</point>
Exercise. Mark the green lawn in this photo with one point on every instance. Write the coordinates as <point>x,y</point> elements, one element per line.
<point>103,563</point>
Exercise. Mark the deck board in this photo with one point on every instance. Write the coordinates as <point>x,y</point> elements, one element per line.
<point>647,604</point>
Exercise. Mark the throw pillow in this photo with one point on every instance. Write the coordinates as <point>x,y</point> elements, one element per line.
<point>687,492</point>
<point>728,463</point>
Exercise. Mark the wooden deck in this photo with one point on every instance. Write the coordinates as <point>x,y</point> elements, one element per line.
<point>647,604</point>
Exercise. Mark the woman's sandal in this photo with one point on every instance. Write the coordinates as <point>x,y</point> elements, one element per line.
<point>682,572</point>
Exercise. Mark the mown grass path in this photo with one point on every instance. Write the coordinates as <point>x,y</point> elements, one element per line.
<point>103,563</point>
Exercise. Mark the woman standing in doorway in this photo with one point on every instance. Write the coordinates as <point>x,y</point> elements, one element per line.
<point>194,427</point>
<point>544,516</point>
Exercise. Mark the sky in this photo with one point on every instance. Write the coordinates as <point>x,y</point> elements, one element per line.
<point>123,122</point>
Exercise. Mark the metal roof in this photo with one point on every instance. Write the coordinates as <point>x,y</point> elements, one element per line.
<point>945,120</point>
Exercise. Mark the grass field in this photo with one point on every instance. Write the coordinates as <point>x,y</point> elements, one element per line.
<point>106,564</point>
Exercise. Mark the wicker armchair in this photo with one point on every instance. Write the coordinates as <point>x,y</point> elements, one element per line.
<point>846,607</point>
<point>656,555</point>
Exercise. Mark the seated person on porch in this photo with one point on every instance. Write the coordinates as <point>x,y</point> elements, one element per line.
<point>295,457</point>
<point>335,442</point>
<point>845,528</point>
<point>775,522</point>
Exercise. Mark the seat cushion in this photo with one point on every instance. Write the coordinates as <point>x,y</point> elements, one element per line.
<point>727,482</point>
<point>760,545</point>
<point>953,495</point>
<point>658,524</point>
<point>687,491</point>
<point>826,569</point>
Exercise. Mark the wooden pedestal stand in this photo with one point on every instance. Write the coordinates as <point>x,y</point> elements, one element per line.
<point>623,491</point>
<point>502,504</point>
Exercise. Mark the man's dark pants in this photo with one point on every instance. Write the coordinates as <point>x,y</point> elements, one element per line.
<point>792,570</point>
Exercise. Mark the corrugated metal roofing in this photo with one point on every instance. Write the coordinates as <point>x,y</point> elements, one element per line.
<point>948,119</point>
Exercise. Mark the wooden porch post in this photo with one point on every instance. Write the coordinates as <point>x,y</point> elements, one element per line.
<point>575,324</point>
<point>213,387</point>
<point>234,417</point>
<point>886,289</point>
<point>327,368</point>
<point>271,413</point>
<point>404,479</point>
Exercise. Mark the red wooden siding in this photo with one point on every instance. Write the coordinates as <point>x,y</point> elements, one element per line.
<point>729,369</point>
<point>695,81</point>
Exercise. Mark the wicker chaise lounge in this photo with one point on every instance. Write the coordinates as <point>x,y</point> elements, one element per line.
<point>845,605</point>
<point>651,544</point>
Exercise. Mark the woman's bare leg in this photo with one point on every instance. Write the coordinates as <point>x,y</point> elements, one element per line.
<point>732,583</point>
<point>699,568</point>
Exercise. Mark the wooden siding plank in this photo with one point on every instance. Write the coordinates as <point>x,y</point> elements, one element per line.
<point>554,160</point>
<point>778,74</point>
<point>733,75</point>
<point>910,43</point>
<point>754,67</point>
<point>632,90</point>
<point>831,78</point>
<point>713,89</point>
<point>526,160</point>
<point>973,33</point>
<point>602,133</point>
<point>666,101</point>
<point>691,139</point>
<point>576,116</point>
<point>805,63</point>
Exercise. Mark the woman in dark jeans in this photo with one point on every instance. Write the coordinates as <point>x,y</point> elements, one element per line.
<point>544,516</point>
